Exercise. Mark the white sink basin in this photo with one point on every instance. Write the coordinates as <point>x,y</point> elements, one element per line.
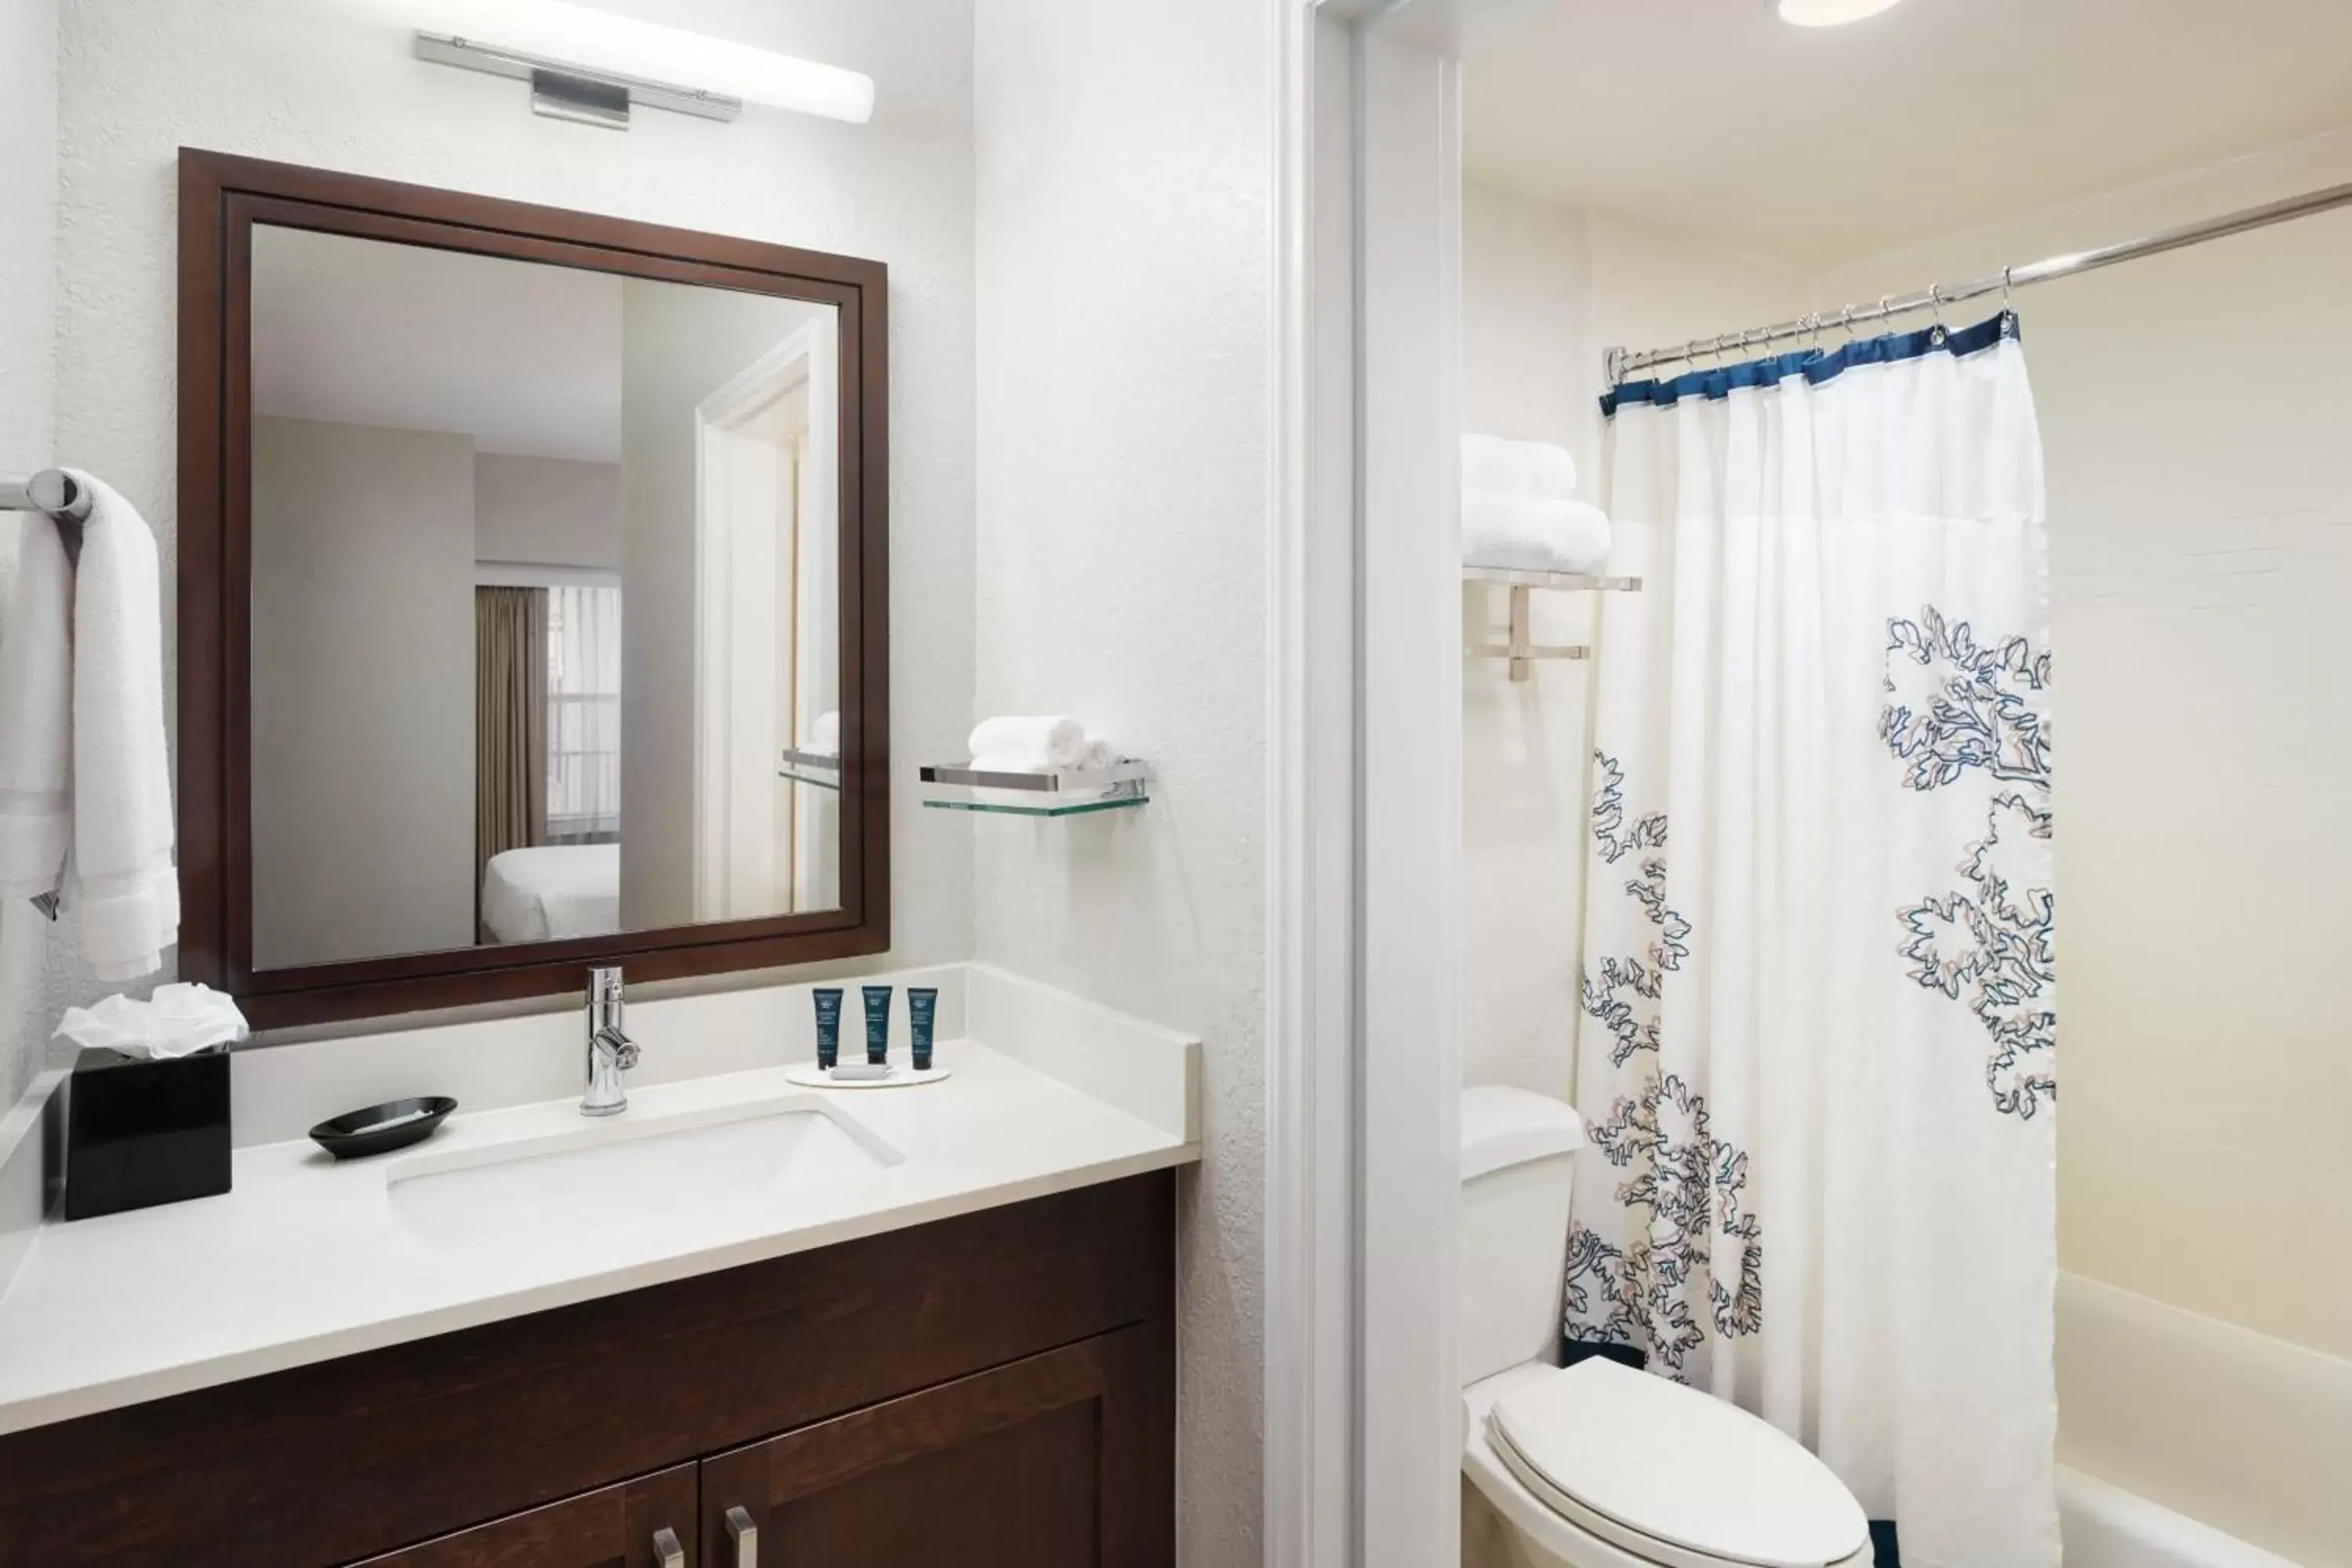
<point>632,1170</point>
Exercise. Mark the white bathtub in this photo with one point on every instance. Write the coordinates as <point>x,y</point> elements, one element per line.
<point>2188,1443</point>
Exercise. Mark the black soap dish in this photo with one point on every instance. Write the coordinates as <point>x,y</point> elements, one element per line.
<point>380,1129</point>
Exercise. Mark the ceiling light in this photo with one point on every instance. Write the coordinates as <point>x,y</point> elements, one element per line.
<point>1829,13</point>
<point>589,64</point>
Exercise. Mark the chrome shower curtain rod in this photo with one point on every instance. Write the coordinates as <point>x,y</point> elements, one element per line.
<point>1619,365</point>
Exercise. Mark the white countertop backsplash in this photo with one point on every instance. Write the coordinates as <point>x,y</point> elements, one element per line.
<point>304,1259</point>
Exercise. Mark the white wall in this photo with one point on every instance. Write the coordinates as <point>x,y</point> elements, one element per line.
<point>2193,418</point>
<point>548,512</point>
<point>28,32</point>
<point>363,691</point>
<point>1545,290</point>
<point>332,84</point>
<point>1125,160</point>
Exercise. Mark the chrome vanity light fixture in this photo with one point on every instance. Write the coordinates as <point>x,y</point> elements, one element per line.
<point>591,66</point>
<point>1829,13</point>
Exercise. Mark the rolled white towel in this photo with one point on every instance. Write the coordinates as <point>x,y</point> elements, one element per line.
<point>1099,753</point>
<point>1518,533</point>
<point>1029,743</point>
<point>1491,464</point>
<point>825,735</point>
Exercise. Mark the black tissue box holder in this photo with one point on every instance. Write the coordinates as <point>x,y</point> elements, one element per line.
<point>141,1133</point>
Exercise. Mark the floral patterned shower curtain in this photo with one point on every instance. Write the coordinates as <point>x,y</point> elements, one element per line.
<point>1817,1040</point>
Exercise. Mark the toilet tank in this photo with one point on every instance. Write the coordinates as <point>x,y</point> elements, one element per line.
<point>1519,1170</point>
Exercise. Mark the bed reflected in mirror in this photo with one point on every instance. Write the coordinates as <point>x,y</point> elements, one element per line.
<point>545,602</point>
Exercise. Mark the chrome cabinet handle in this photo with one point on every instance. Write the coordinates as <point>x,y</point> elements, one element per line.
<point>668,1552</point>
<point>746,1537</point>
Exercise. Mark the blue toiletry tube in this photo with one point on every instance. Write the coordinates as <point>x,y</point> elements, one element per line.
<point>877,1022</point>
<point>922,1009</point>
<point>828,1025</point>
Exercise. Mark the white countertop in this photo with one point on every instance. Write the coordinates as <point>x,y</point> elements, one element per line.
<point>305,1259</point>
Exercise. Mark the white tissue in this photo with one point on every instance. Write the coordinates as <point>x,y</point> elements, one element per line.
<point>178,1021</point>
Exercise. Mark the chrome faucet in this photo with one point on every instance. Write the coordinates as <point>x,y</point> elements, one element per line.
<point>611,1052</point>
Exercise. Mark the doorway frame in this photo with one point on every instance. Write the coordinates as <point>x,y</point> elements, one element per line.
<point>1362,1397</point>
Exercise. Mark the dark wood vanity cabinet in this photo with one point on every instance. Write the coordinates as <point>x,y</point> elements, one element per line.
<point>612,1527</point>
<point>994,1389</point>
<point>1025,1464</point>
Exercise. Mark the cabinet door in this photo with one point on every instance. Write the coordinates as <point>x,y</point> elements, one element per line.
<point>1061,1460</point>
<point>613,1527</point>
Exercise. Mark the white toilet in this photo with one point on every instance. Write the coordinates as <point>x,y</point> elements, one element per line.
<point>1597,1466</point>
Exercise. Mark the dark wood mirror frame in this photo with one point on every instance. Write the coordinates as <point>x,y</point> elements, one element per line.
<point>221,199</point>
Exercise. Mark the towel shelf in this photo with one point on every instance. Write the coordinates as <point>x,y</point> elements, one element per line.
<point>1519,648</point>
<point>1061,792</point>
<point>821,769</point>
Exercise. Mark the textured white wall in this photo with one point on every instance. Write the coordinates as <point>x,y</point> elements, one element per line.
<point>331,83</point>
<point>1124,162</point>
<point>2193,418</point>
<point>1545,290</point>
<point>28,32</point>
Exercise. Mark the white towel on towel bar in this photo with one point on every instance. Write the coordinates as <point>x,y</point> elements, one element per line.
<point>1518,533</point>
<point>36,715</point>
<point>120,881</point>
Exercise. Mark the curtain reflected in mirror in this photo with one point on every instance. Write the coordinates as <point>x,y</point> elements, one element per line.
<point>545,602</point>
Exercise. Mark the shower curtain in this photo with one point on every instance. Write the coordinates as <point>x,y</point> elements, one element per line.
<point>1816,1038</point>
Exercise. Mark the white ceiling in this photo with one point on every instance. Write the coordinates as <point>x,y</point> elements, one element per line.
<point>525,359</point>
<point>1823,145</point>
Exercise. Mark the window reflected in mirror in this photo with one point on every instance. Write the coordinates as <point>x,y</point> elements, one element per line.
<point>545,604</point>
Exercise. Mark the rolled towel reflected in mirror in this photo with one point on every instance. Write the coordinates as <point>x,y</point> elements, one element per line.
<point>825,735</point>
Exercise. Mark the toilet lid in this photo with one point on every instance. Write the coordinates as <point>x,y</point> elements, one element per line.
<point>1678,1466</point>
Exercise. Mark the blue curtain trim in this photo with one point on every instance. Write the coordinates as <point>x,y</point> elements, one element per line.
<point>1816,365</point>
<point>1884,1547</point>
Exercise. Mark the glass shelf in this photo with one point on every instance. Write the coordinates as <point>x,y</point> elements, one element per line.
<point>1064,792</point>
<point>821,769</point>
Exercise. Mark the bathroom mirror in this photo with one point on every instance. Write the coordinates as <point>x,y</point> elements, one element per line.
<point>531,596</point>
